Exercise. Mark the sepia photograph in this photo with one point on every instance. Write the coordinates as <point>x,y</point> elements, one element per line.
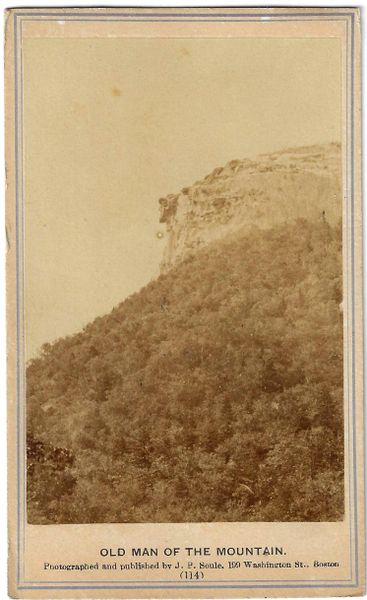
<point>184,302</point>
<point>183,280</point>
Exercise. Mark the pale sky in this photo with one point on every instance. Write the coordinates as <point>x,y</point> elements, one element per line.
<point>111,125</point>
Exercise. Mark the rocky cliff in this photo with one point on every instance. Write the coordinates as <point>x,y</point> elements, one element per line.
<point>263,191</point>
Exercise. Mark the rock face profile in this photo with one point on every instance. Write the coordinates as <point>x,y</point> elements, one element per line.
<point>272,188</point>
<point>215,392</point>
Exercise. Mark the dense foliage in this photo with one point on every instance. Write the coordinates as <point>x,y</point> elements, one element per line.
<point>213,394</point>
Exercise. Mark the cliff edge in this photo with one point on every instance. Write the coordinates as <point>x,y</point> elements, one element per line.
<point>272,188</point>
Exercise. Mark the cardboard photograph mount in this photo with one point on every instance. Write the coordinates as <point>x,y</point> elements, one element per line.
<point>184,302</point>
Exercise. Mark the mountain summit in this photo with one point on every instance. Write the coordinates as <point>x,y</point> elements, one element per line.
<point>269,189</point>
<point>215,393</point>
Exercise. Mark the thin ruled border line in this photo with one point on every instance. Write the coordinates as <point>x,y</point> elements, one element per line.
<point>19,174</point>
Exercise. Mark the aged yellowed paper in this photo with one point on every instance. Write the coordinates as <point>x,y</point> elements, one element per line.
<point>184,302</point>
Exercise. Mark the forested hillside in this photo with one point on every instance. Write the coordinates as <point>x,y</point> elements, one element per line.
<point>213,394</point>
